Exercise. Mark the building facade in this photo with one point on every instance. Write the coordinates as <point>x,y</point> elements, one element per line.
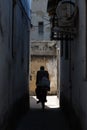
<point>14,55</point>
<point>39,20</point>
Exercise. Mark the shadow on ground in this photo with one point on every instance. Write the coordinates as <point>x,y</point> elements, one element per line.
<point>50,119</point>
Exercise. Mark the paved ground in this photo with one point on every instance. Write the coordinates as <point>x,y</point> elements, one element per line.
<point>50,119</point>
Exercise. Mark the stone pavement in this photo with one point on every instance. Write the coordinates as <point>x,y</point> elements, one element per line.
<point>50,119</point>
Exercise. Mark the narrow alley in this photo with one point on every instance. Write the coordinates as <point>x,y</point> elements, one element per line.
<point>51,118</point>
<point>52,34</point>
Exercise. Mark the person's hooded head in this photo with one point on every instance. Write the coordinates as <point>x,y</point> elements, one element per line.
<point>42,68</point>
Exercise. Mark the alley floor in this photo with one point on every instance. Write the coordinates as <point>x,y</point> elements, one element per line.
<point>50,119</point>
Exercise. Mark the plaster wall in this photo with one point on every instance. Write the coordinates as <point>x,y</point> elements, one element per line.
<point>50,64</point>
<point>44,53</point>
<point>79,80</point>
<point>14,63</point>
<point>5,55</point>
<point>78,90</point>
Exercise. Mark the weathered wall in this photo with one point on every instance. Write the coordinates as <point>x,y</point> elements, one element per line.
<point>44,53</point>
<point>79,59</point>
<point>14,51</point>
<point>5,56</point>
<point>43,48</point>
<point>50,64</point>
<point>76,94</point>
<point>20,51</point>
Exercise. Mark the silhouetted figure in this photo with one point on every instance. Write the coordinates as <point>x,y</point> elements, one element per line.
<point>42,80</point>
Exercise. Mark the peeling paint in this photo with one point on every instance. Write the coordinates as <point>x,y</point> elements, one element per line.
<point>52,69</point>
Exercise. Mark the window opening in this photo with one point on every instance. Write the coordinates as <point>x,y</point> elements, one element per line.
<point>40,28</point>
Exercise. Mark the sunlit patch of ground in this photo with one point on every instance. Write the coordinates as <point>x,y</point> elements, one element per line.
<point>52,102</point>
